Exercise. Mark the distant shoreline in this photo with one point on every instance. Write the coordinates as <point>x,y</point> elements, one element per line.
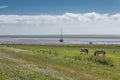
<point>64,36</point>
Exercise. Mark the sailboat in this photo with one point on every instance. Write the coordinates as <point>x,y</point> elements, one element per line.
<point>61,39</point>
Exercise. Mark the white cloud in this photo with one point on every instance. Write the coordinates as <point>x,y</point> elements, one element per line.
<point>90,23</point>
<point>116,17</point>
<point>55,19</point>
<point>2,7</point>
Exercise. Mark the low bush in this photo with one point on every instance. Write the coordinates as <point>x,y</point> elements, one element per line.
<point>101,60</point>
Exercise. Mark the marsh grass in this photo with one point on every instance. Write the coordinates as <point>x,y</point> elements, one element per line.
<point>67,58</point>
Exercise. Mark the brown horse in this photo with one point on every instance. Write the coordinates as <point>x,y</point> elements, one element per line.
<point>97,52</point>
<point>85,50</point>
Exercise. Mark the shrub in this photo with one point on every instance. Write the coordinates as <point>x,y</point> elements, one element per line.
<point>101,60</point>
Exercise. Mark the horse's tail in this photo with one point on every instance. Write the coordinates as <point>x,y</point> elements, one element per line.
<point>87,51</point>
<point>81,50</point>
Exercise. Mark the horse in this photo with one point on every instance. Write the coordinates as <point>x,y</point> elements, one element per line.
<point>85,50</point>
<point>97,52</point>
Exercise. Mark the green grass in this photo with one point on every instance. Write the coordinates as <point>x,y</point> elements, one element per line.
<point>12,71</point>
<point>61,61</point>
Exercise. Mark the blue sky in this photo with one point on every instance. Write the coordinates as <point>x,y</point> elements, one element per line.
<point>37,17</point>
<point>59,6</point>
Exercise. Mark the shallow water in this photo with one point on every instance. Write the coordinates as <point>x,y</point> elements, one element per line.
<point>54,39</point>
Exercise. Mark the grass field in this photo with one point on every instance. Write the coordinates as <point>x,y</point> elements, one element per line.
<point>58,62</point>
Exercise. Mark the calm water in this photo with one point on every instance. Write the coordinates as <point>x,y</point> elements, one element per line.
<point>54,39</point>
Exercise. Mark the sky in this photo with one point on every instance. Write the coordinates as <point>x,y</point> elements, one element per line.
<point>46,17</point>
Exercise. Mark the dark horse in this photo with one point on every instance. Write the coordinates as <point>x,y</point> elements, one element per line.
<point>97,52</point>
<point>84,50</point>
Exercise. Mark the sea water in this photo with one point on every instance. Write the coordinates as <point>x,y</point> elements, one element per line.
<point>54,39</point>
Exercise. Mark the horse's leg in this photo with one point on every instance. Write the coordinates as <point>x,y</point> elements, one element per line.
<point>97,54</point>
<point>85,52</point>
<point>104,54</point>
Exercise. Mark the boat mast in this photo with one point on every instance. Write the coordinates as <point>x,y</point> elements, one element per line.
<point>61,39</point>
<point>61,34</point>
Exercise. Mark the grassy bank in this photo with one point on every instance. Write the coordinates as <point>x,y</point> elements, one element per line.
<point>58,62</point>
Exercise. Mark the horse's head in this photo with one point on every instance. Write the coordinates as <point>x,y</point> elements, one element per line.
<point>95,54</point>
